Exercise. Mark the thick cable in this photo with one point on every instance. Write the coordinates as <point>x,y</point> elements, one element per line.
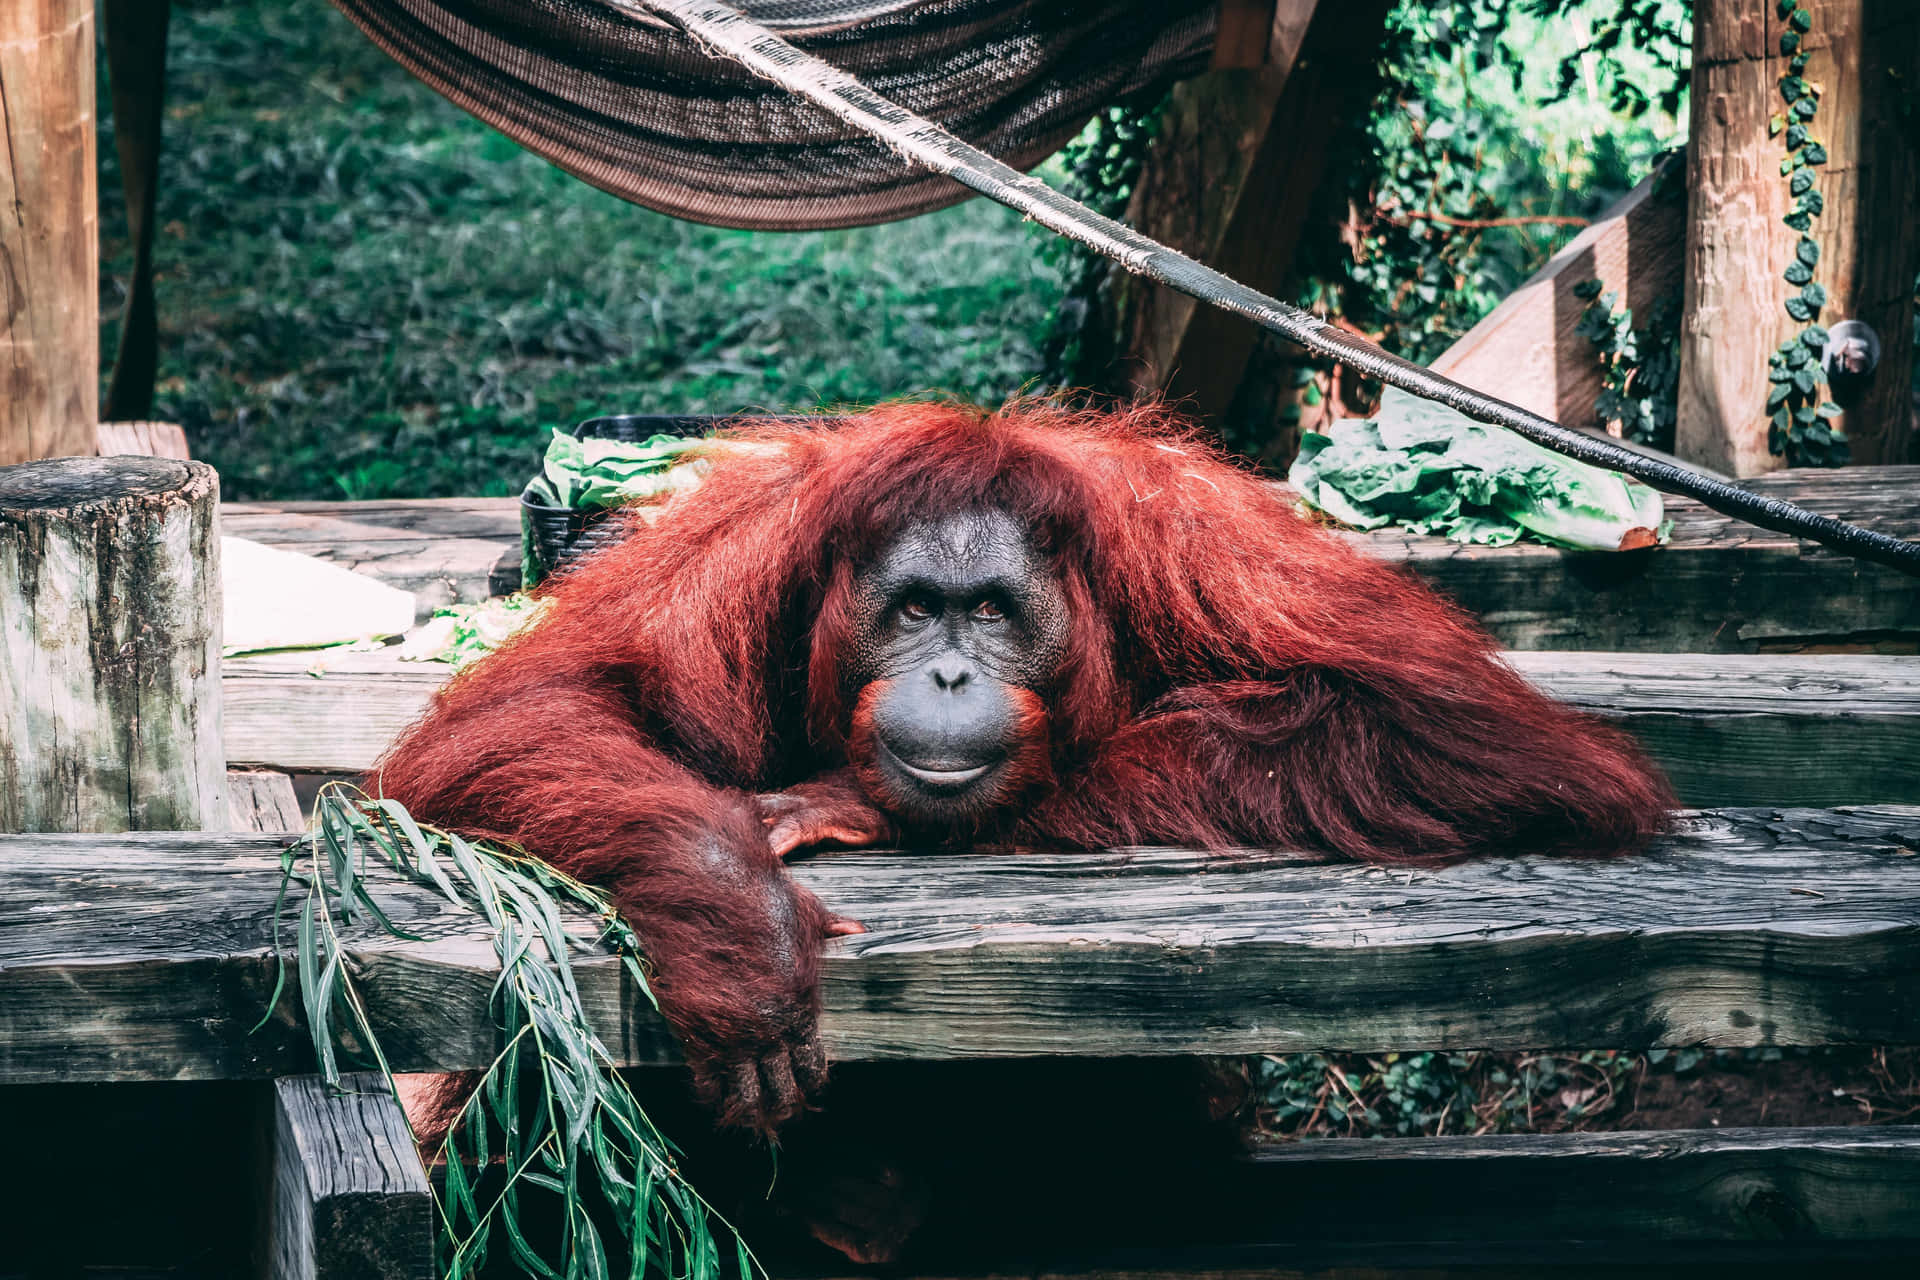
<point>726,31</point>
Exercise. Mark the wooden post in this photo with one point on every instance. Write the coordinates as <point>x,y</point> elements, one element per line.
<point>110,646</point>
<point>49,231</point>
<point>350,1198</point>
<point>1230,179</point>
<point>1864,55</point>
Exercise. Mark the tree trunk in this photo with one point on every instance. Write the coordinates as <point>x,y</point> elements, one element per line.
<point>110,646</point>
<point>49,231</point>
<point>1863,55</point>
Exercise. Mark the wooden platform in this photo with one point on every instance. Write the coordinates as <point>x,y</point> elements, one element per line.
<point>1813,729</point>
<point>145,957</point>
<point>1720,587</point>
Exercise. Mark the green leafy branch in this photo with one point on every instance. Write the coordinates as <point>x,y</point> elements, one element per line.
<point>550,1113</point>
<point>1800,418</point>
<point>1639,368</point>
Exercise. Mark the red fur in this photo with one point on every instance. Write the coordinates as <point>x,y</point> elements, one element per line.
<point>1236,676</point>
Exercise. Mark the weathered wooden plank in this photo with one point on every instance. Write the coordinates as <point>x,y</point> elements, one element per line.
<point>145,956</point>
<point>1720,587</point>
<point>444,550</point>
<point>1538,1193</point>
<point>350,1198</point>
<point>1801,729</point>
<point>1713,1196</point>
<point>262,800</point>
<point>1789,729</point>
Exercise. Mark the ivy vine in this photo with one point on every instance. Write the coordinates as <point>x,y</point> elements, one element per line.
<point>1800,424</point>
<point>1639,368</point>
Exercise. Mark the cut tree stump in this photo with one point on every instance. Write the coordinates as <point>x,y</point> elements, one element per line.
<point>110,646</point>
<point>49,232</point>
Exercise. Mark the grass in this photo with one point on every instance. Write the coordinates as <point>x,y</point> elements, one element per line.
<point>363,292</point>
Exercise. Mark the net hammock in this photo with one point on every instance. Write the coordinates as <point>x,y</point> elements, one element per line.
<point>790,114</point>
<point>629,102</point>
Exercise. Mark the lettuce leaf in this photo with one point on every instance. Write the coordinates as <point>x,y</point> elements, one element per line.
<point>1434,470</point>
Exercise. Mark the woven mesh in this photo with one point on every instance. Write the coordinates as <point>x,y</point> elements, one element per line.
<point>634,107</point>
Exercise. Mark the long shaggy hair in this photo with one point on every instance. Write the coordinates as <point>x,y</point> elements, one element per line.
<point>1238,674</point>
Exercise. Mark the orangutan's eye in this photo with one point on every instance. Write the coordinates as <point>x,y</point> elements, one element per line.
<point>987,611</point>
<point>916,610</point>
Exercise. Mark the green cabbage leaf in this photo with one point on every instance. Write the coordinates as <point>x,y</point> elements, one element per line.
<point>1432,470</point>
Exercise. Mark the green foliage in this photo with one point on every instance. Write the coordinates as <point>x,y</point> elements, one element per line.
<point>1475,161</point>
<point>550,1115</point>
<point>1321,1095</point>
<point>363,292</point>
<point>1098,168</point>
<point>1639,368</point>
<point>1800,419</point>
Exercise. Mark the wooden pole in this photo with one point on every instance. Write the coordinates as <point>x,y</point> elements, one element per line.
<point>49,231</point>
<point>110,646</point>
<point>1230,179</point>
<point>1864,56</point>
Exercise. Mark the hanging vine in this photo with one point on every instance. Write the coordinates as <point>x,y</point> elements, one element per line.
<point>1800,424</point>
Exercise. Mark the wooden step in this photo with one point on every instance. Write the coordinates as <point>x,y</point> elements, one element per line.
<point>147,956</point>
<point>1798,729</point>
<point>1719,587</point>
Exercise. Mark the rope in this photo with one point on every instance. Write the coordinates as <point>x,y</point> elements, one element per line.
<point>723,30</point>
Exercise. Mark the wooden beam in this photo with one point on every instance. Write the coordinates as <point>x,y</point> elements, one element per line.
<point>350,1198</point>
<point>1538,1201</point>
<point>1230,179</point>
<point>1547,1197</point>
<point>110,646</point>
<point>147,956</point>
<point>1525,350</point>
<point>263,800</point>
<point>1814,729</point>
<point>1862,55</point>
<point>149,439</point>
<point>49,232</point>
<point>444,550</point>
<point>1719,587</point>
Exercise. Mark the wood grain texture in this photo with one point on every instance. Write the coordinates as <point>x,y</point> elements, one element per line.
<point>146,956</point>
<point>152,439</point>
<point>1628,1199</point>
<point>1790,729</point>
<point>350,1198</point>
<point>49,231</point>
<point>262,800</point>
<point>444,550</point>
<point>1860,52</point>
<point>1720,587</point>
<point>110,646</point>
<point>1526,349</point>
<point>1803,729</point>
<point>1229,179</point>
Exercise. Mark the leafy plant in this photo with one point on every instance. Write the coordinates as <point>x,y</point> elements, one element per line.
<point>1639,368</point>
<point>1800,422</point>
<point>550,1113</point>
